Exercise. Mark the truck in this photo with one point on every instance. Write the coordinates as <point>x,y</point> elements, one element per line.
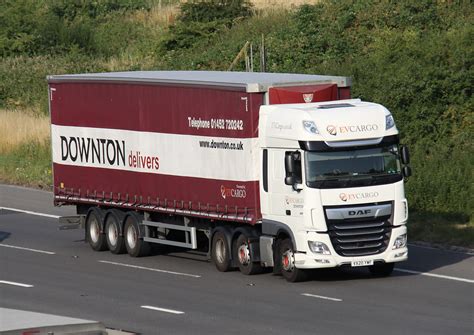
<point>254,170</point>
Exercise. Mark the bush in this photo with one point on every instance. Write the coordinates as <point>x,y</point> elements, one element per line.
<point>214,10</point>
<point>35,27</point>
<point>199,21</point>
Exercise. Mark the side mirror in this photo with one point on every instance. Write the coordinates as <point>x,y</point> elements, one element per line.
<point>289,167</point>
<point>293,169</point>
<point>406,171</point>
<point>405,155</point>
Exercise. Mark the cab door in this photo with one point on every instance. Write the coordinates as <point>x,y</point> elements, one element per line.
<point>282,200</point>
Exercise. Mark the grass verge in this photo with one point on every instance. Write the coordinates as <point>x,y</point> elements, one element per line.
<point>19,127</point>
<point>441,228</point>
<point>29,164</point>
<point>25,150</point>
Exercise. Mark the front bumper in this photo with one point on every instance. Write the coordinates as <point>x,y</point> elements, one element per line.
<point>306,259</point>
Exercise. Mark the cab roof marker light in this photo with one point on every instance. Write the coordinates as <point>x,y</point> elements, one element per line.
<point>310,127</point>
<point>389,122</point>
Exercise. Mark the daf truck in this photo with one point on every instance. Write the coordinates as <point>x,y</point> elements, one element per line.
<point>254,169</point>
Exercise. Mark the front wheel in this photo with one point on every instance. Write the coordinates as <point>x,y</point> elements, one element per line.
<point>242,253</point>
<point>286,257</point>
<point>382,270</point>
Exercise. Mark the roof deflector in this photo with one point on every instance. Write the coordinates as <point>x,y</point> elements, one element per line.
<point>335,106</point>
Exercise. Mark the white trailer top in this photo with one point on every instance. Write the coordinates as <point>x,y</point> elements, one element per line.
<point>252,82</point>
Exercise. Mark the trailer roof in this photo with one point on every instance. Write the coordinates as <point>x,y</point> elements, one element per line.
<point>250,81</point>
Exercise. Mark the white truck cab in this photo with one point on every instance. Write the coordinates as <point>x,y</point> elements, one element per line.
<point>332,180</point>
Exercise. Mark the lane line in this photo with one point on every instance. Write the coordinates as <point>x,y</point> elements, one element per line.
<point>435,275</point>
<point>14,283</point>
<point>27,249</point>
<point>320,297</point>
<point>30,212</point>
<point>172,311</point>
<point>150,269</point>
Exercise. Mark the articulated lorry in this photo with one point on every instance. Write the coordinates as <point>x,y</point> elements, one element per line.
<point>253,169</point>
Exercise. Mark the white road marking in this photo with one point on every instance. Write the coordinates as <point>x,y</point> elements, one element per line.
<point>14,283</point>
<point>172,311</point>
<point>27,249</point>
<point>436,275</point>
<point>320,297</point>
<point>30,212</point>
<point>151,269</point>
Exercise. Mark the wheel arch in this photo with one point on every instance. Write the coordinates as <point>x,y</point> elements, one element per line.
<point>278,229</point>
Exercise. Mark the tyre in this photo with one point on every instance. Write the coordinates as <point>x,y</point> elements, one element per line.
<point>244,258</point>
<point>286,257</point>
<point>94,236</point>
<point>382,270</point>
<point>113,232</point>
<point>135,245</point>
<point>220,252</point>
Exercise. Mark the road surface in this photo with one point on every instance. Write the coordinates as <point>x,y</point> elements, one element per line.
<point>46,270</point>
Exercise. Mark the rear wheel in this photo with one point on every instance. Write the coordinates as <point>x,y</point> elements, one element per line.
<point>220,252</point>
<point>287,263</point>
<point>94,236</point>
<point>113,229</point>
<point>382,270</point>
<point>243,255</point>
<point>135,245</point>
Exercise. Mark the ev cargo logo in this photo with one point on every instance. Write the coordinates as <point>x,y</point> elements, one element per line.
<point>331,130</point>
<point>334,130</point>
<point>237,192</point>
<point>358,196</point>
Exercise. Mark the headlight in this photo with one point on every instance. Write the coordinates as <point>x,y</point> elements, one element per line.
<point>389,122</point>
<point>319,248</point>
<point>400,242</point>
<point>310,127</point>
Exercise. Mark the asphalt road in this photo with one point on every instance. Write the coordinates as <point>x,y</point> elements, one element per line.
<point>182,293</point>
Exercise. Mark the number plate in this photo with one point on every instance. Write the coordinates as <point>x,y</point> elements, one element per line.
<point>362,263</point>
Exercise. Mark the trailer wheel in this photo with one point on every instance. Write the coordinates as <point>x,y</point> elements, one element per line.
<point>382,270</point>
<point>286,257</point>
<point>115,240</point>
<point>220,252</point>
<point>94,236</point>
<point>243,256</point>
<point>136,246</point>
